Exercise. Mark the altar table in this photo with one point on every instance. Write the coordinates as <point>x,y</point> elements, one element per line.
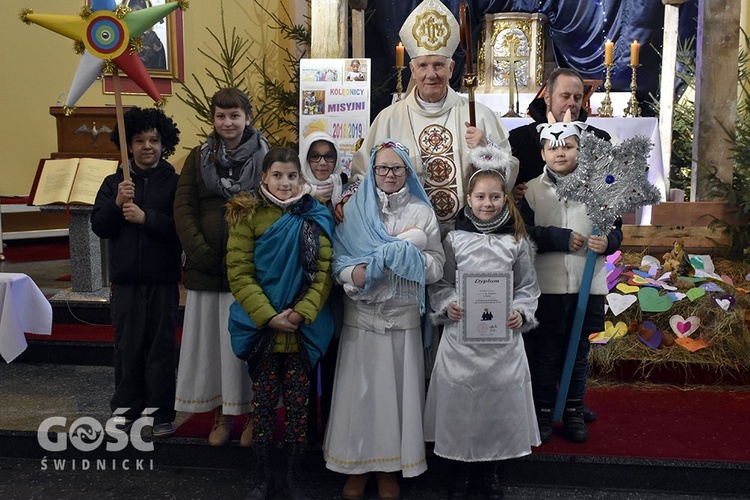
<point>24,309</point>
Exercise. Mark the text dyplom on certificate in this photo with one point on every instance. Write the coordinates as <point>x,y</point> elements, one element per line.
<point>335,98</point>
<point>486,299</point>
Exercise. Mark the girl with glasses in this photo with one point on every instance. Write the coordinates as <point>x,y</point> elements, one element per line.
<point>321,168</point>
<point>385,251</point>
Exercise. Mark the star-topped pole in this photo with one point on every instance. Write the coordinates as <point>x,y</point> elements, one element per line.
<point>609,180</point>
<point>109,38</point>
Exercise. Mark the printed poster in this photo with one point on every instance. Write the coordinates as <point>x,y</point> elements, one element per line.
<point>335,98</point>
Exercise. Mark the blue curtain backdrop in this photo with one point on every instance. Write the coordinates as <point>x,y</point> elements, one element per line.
<point>578,29</point>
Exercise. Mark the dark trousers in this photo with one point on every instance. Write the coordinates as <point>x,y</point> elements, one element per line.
<point>280,372</point>
<point>547,345</point>
<point>144,319</point>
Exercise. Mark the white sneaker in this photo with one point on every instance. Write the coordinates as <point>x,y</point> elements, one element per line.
<point>161,430</point>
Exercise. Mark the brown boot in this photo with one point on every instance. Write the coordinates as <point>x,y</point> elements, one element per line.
<point>388,488</point>
<point>222,429</point>
<point>246,439</point>
<point>354,489</point>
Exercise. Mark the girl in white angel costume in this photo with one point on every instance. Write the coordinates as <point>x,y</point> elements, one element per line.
<point>479,405</point>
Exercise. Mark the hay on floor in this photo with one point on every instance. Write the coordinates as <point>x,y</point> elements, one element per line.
<point>726,332</point>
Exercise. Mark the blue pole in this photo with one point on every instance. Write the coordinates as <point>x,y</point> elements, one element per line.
<point>575,335</point>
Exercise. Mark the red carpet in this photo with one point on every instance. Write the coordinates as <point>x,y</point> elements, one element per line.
<point>84,333</point>
<point>14,200</point>
<point>34,250</point>
<point>665,423</point>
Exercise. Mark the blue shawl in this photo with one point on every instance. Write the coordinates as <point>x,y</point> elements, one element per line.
<point>363,239</point>
<point>279,269</point>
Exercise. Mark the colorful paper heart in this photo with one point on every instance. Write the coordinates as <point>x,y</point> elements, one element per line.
<point>695,293</point>
<point>692,345</point>
<point>654,283</point>
<point>650,300</point>
<point>640,273</point>
<point>665,276</point>
<point>726,302</point>
<point>619,303</point>
<point>638,281</point>
<point>696,262</point>
<point>747,277</point>
<point>609,267</point>
<point>676,296</point>
<point>700,273</point>
<point>610,332</point>
<point>614,274</point>
<point>684,327</point>
<point>708,263</point>
<point>652,271</point>
<point>727,279</point>
<point>614,258</point>
<point>650,335</point>
<point>660,284</point>
<point>650,260</point>
<point>710,286</point>
<point>694,279</point>
<point>625,288</point>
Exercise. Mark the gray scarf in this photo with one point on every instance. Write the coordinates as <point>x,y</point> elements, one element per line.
<point>487,227</point>
<point>243,165</point>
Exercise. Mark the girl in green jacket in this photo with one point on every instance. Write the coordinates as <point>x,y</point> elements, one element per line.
<point>279,269</point>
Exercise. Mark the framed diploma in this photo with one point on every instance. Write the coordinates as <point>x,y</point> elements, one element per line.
<point>486,299</point>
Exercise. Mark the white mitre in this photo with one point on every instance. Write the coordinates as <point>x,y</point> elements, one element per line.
<point>430,30</point>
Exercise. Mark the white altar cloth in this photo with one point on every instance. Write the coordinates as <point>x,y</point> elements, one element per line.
<point>24,309</point>
<point>499,102</point>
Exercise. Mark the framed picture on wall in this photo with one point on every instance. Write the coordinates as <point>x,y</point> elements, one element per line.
<point>163,52</point>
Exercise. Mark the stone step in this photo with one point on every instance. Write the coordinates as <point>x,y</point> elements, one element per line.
<point>566,473</point>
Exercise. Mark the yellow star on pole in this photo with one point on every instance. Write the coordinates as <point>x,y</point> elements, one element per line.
<point>109,34</point>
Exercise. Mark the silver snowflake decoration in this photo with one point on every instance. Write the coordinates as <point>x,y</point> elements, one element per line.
<point>610,179</point>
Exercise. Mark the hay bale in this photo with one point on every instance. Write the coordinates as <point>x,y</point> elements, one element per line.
<point>726,332</point>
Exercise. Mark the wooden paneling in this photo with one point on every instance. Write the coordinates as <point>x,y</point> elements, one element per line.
<point>698,213</point>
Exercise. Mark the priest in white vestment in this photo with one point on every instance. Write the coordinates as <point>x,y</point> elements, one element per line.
<point>432,120</point>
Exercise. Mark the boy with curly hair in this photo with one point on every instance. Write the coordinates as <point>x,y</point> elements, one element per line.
<point>136,217</point>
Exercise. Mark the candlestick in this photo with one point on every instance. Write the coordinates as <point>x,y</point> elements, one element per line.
<point>399,55</point>
<point>605,108</point>
<point>635,48</point>
<point>633,108</point>
<point>609,48</point>
<point>399,82</point>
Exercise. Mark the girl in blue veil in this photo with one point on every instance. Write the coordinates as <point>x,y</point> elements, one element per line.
<point>385,251</point>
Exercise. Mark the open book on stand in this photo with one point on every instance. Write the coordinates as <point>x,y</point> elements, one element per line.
<point>70,181</point>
